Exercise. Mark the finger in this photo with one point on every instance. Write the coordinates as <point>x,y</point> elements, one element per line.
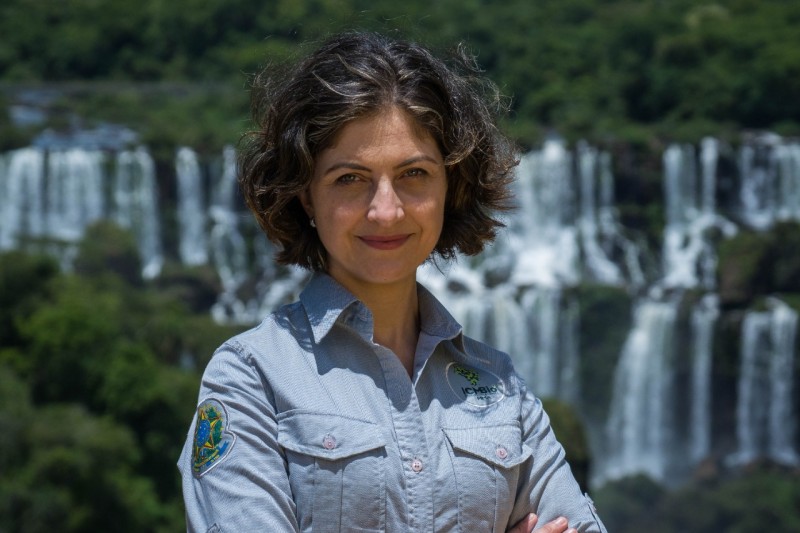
<point>525,525</point>
<point>559,525</point>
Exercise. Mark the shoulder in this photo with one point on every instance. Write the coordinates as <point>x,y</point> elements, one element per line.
<point>281,332</point>
<point>485,358</point>
<point>483,354</point>
<point>281,327</point>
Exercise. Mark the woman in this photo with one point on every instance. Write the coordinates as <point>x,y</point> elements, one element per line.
<point>363,407</point>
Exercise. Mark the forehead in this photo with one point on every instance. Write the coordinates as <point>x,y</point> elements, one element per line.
<point>387,129</point>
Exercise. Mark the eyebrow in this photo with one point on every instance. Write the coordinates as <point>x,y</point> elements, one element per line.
<point>356,166</point>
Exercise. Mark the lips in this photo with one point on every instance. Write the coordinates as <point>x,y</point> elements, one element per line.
<point>384,242</point>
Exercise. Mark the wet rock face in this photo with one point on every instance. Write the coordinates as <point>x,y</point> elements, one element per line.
<point>756,263</point>
<point>785,264</point>
<point>742,268</point>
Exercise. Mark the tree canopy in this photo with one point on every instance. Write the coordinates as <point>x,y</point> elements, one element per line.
<point>588,68</point>
<point>98,381</point>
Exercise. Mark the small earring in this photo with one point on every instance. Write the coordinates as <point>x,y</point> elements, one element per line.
<point>313,224</point>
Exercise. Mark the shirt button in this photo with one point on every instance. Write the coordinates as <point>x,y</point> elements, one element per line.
<point>329,442</point>
<point>501,452</point>
<point>416,465</point>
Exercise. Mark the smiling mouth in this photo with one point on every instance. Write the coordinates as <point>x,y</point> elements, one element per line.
<point>389,242</point>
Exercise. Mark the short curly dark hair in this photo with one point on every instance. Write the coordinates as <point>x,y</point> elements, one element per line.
<point>299,110</point>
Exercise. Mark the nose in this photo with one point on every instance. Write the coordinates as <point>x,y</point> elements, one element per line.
<point>385,206</point>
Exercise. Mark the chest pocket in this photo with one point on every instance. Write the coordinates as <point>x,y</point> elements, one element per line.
<point>336,471</point>
<point>486,463</point>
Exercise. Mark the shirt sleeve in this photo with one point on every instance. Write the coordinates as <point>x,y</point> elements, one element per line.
<point>547,486</point>
<point>234,472</point>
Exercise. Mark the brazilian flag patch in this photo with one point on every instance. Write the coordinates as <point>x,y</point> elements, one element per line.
<point>212,440</point>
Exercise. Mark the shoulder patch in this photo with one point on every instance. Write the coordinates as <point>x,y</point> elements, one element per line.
<point>474,385</point>
<point>212,438</point>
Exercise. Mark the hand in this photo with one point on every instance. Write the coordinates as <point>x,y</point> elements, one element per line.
<point>526,525</point>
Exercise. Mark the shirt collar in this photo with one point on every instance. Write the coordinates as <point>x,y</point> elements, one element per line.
<point>325,301</point>
<point>435,319</point>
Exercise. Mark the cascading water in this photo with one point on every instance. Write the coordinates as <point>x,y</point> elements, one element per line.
<point>765,420</point>
<point>770,181</point>
<point>639,428</point>
<point>136,206</point>
<point>782,418</point>
<point>228,247</point>
<point>74,192</point>
<point>22,208</point>
<point>703,319</point>
<point>688,256</point>
<point>548,256</point>
<point>193,248</point>
<point>596,221</point>
<point>788,156</point>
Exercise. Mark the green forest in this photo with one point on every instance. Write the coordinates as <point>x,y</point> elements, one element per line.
<point>604,70</point>
<point>99,369</point>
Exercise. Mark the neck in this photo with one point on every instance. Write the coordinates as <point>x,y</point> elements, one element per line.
<point>395,314</point>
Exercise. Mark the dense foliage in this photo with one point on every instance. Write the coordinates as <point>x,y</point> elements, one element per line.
<point>98,382</point>
<point>609,69</point>
<point>760,500</point>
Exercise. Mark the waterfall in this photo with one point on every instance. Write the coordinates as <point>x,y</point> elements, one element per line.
<point>193,248</point>
<point>74,192</point>
<point>782,418</point>
<point>703,319</point>
<point>689,258</point>
<point>22,208</point>
<point>639,426</point>
<point>136,206</point>
<point>552,350</point>
<point>55,195</point>
<point>596,220</point>
<point>788,156</point>
<point>548,256</point>
<point>765,419</point>
<point>228,247</point>
<point>770,181</point>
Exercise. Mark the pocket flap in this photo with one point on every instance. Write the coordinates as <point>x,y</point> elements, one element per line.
<point>326,435</point>
<point>499,445</point>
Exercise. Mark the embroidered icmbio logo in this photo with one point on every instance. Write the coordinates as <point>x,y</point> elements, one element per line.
<point>212,440</point>
<point>474,385</point>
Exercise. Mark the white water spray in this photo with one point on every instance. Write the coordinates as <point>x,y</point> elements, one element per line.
<point>193,248</point>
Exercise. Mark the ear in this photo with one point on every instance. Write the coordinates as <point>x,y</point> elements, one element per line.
<point>305,201</point>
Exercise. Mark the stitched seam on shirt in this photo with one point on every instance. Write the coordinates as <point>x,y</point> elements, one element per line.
<point>496,497</point>
<point>307,355</point>
<point>451,452</point>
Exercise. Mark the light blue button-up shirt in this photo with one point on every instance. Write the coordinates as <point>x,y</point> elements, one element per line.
<point>305,424</point>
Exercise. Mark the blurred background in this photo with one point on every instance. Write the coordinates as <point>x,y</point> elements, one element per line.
<point>648,286</point>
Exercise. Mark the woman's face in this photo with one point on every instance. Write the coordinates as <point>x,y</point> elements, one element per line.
<point>377,197</point>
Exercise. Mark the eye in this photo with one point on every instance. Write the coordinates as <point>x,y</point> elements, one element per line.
<point>345,179</point>
<point>415,172</point>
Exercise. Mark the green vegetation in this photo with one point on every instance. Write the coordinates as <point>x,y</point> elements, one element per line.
<point>610,70</point>
<point>753,264</point>
<point>761,500</point>
<point>98,381</point>
<point>605,322</point>
<point>570,432</point>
